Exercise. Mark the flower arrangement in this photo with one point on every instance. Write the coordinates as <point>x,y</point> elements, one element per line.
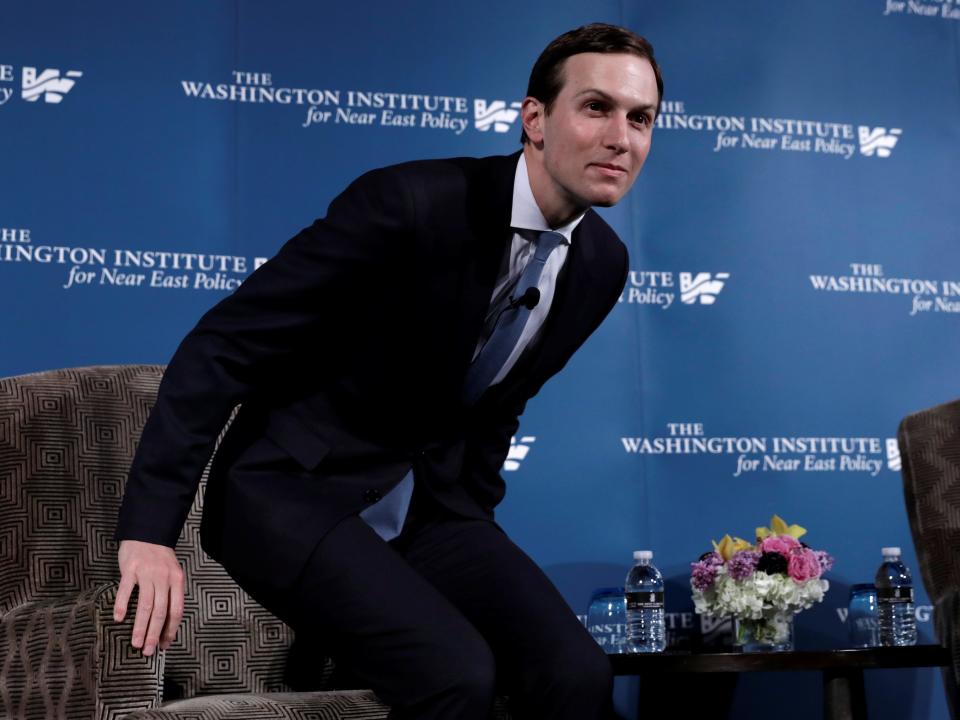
<point>762,585</point>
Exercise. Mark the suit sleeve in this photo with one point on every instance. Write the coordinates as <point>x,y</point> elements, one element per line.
<point>278,311</point>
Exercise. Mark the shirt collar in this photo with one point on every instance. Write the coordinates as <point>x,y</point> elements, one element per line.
<point>526,213</point>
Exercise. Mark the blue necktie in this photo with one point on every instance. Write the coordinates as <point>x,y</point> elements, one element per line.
<point>386,517</point>
<point>509,327</point>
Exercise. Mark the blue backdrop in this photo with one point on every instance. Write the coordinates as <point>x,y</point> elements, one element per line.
<point>795,284</point>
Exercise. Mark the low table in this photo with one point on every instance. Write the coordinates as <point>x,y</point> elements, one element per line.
<point>843,694</point>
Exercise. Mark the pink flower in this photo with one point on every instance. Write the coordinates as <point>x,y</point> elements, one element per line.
<point>803,564</point>
<point>782,544</point>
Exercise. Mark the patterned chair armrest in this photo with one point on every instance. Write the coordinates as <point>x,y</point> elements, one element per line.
<point>331,704</point>
<point>353,704</point>
<point>68,658</point>
<point>946,617</point>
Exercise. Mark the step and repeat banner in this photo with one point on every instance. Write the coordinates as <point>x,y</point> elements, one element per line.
<point>794,284</point>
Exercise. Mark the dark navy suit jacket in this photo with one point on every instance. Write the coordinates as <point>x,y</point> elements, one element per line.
<point>348,352</point>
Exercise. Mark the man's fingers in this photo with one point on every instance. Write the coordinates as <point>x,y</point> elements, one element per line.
<point>157,618</point>
<point>144,610</point>
<point>175,613</point>
<point>155,570</point>
<point>124,590</point>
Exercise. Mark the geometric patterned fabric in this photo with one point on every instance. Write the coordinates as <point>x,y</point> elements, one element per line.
<point>930,450</point>
<point>67,439</point>
<point>332,705</point>
<point>68,658</point>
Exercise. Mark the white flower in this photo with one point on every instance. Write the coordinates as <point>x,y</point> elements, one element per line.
<point>762,583</point>
<point>758,597</point>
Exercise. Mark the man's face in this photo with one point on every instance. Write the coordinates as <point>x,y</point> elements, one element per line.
<point>597,133</point>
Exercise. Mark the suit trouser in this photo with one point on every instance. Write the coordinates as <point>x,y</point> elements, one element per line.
<point>442,616</point>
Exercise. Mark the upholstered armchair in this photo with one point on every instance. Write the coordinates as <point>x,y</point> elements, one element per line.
<point>930,451</point>
<point>66,442</point>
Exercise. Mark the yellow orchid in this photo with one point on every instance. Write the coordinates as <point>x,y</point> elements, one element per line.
<point>729,546</point>
<point>779,527</point>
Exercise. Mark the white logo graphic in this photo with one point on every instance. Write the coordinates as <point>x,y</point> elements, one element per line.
<point>893,455</point>
<point>659,287</point>
<point>49,84</point>
<point>518,451</point>
<point>878,140</point>
<point>702,286</point>
<point>496,114</point>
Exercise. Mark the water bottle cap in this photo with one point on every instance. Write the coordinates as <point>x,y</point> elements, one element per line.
<point>890,551</point>
<point>643,554</point>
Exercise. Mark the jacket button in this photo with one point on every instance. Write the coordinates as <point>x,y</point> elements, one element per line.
<point>372,495</point>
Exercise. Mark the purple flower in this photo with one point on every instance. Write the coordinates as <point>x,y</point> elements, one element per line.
<point>704,573</point>
<point>825,559</point>
<point>743,564</point>
<point>712,558</point>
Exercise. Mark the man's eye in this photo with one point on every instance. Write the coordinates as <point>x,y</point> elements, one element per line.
<point>595,106</point>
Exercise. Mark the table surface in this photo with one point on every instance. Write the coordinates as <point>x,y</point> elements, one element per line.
<point>847,659</point>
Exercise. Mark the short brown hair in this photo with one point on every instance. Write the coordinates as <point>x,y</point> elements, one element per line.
<point>546,78</point>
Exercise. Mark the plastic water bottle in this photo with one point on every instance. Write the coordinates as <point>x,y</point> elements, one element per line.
<point>898,624</point>
<point>644,593</point>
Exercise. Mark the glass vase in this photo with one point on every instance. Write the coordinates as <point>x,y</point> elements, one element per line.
<point>765,635</point>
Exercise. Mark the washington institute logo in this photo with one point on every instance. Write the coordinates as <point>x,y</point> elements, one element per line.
<point>659,288</point>
<point>756,455</point>
<point>921,295</point>
<point>702,287</point>
<point>788,135</point>
<point>495,114</point>
<point>878,140</point>
<point>79,266</point>
<point>518,452</point>
<point>49,84</point>
<point>371,108</point>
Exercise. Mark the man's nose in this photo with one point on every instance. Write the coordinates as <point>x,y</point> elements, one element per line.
<point>616,133</point>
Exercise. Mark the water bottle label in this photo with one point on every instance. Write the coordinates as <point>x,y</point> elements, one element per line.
<point>895,595</point>
<point>644,600</point>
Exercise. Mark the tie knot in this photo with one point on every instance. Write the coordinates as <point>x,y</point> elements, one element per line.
<point>546,242</point>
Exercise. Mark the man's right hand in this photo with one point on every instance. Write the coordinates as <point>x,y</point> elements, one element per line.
<point>155,570</point>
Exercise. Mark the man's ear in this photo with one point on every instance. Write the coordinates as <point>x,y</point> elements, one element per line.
<point>531,114</point>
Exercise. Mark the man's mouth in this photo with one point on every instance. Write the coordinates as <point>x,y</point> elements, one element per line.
<point>610,169</point>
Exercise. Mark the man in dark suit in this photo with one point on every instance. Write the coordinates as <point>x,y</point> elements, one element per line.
<point>382,360</point>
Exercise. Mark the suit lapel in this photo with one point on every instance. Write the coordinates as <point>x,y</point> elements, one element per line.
<point>488,214</point>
